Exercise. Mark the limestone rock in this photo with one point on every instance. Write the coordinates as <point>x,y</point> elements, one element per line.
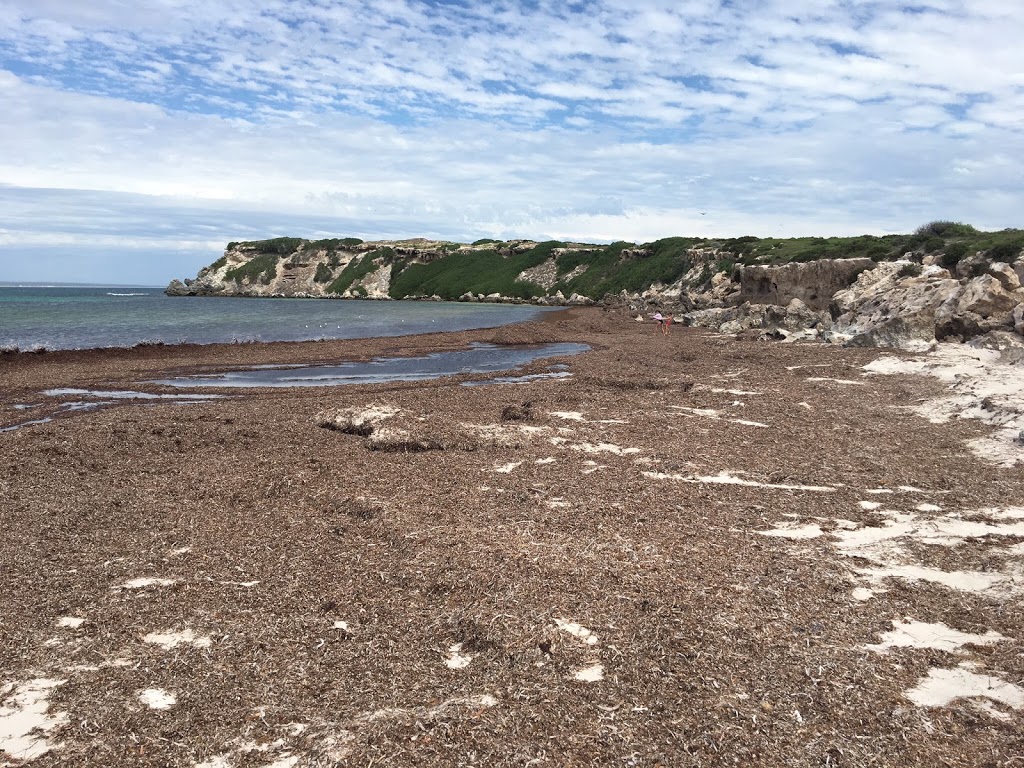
<point>796,317</point>
<point>812,282</point>
<point>1006,275</point>
<point>883,308</point>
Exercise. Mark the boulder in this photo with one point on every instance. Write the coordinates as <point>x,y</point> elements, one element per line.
<point>1006,275</point>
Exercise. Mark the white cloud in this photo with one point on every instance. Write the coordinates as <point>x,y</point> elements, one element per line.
<point>403,117</point>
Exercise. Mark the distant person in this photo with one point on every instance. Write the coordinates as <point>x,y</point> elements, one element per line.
<point>659,319</point>
<point>666,323</point>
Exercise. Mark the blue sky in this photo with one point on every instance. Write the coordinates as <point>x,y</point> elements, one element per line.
<point>139,138</point>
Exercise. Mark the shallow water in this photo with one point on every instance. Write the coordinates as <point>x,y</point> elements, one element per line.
<point>55,317</point>
<point>480,358</point>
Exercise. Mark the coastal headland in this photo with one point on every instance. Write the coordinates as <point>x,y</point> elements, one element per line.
<point>688,549</point>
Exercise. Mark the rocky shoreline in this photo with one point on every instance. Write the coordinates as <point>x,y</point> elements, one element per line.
<point>694,549</point>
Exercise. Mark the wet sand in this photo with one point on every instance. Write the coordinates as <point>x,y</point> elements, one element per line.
<point>696,550</point>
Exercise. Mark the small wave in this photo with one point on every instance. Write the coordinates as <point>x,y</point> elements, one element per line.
<point>127,294</point>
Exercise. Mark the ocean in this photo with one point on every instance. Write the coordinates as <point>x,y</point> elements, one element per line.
<point>82,317</point>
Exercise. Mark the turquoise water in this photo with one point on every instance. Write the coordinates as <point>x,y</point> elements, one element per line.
<point>118,316</point>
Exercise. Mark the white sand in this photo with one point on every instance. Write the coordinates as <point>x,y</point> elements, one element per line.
<point>594,673</point>
<point>604,448</point>
<point>942,686</point>
<point>169,640</point>
<point>909,633</point>
<point>70,622</point>
<point>142,583</point>
<point>456,659</point>
<point>157,698</point>
<point>710,413</point>
<point>25,719</point>
<point>980,387</point>
<point>577,630</point>
<point>727,478</point>
<point>809,531</point>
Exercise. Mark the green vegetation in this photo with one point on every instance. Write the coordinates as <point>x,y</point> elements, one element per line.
<point>324,274</point>
<point>356,270</point>
<point>485,271</point>
<point>261,268</point>
<point>909,270</point>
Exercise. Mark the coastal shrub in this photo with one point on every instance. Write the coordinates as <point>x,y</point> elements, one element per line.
<point>484,271</point>
<point>324,273</point>
<point>933,244</point>
<point>282,246</point>
<point>725,265</point>
<point>662,261</point>
<point>1006,251</point>
<point>909,270</point>
<point>261,268</point>
<point>353,271</point>
<point>945,229</point>
<point>218,264</point>
<point>953,253</point>
<point>484,241</point>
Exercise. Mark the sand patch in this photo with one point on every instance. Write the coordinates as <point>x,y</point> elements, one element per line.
<point>981,387</point>
<point>456,659</point>
<point>157,698</point>
<point>943,686</point>
<point>604,448</point>
<point>592,673</point>
<point>727,478</point>
<point>909,633</point>
<point>146,581</point>
<point>577,630</point>
<point>70,622</point>
<point>809,531</point>
<point>25,719</point>
<point>710,413</point>
<point>169,640</point>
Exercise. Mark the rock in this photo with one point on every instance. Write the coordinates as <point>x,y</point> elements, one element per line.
<point>812,282</point>
<point>794,318</point>
<point>886,310</point>
<point>1006,275</point>
<point>578,300</point>
<point>1017,316</point>
<point>176,288</point>
<point>986,296</point>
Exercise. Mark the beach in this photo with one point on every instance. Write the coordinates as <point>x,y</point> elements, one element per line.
<point>693,549</point>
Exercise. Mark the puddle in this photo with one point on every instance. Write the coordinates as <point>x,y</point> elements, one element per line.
<point>481,358</point>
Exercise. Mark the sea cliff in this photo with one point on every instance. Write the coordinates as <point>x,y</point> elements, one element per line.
<point>945,281</point>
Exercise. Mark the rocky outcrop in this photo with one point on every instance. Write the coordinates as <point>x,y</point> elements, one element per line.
<point>909,303</point>
<point>890,306</point>
<point>813,282</point>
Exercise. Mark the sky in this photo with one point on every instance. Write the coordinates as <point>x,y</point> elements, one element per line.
<point>139,137</point>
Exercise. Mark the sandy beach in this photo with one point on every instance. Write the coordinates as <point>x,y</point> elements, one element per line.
<point>694,550</point>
